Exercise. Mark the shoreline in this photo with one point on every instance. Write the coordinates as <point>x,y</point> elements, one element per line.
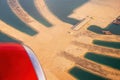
<point>50,44</point>
<point>43,9</point>
<point>31,22</point>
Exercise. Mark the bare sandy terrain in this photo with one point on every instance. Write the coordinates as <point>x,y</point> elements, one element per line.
<point>43,9</point>
<point>103,11</point>
<point>57,48</point>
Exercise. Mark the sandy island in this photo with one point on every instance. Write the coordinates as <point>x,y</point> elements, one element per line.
<point>58,48</point>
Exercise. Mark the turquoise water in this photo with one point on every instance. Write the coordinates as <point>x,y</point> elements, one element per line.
<point>107,44</point>
<point>29,6</point>
<point>84,75</point>
<point>5,38</point>
<point>10,18</point>
<point>95,29</point>
<point>63,8</point>
<point>115,29</point>
<point>106,60</point>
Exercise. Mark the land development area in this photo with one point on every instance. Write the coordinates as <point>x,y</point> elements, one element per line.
<point>72,39</point>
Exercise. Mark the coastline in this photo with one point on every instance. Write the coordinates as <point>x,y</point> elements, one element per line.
<point>50,43</point>
<point>25,17</point>
<point>43,9</point>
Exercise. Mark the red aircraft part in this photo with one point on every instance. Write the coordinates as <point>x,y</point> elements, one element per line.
<point>18,62</point>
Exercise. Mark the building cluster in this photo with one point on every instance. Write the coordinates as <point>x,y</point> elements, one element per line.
<point>117,21</point>
<point>91,66</point>
<point>15,6</point>
<point>86,33</point>
<point>96,48</point>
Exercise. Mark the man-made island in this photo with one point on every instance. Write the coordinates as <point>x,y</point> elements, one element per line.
<point>63,48</point>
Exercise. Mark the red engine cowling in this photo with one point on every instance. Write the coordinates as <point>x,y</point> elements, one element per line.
<point>18,62</point>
